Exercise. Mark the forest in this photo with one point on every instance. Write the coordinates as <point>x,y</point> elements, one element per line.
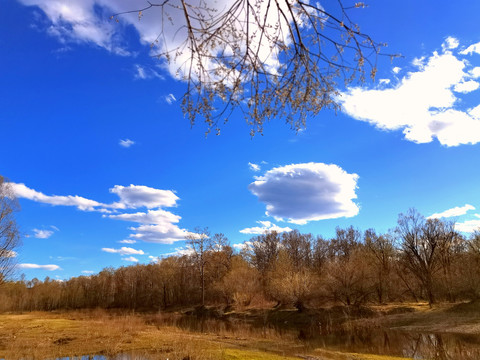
<point>419,260</point>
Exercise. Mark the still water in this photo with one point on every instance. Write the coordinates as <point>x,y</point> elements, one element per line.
<point>414,345</point>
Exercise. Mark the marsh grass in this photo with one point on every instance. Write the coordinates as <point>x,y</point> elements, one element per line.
<point>176,336</point>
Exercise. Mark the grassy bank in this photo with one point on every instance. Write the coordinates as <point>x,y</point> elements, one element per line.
<point>41,335</point>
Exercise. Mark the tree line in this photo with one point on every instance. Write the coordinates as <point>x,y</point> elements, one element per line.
<point>420,260</point>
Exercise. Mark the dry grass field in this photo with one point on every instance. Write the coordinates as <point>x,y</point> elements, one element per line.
<point>41,335</point>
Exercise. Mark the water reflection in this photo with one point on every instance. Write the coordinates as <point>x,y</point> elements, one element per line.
<point>323,335</point>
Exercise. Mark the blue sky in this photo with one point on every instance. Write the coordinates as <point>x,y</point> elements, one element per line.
<point>109,172</point>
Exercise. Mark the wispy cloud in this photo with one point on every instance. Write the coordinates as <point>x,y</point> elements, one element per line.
<point>425,103</point>
<point>87,272</point>
<point>456,211</point>
<point>22,191</point>
<point>306,192</point>
<point>126,143</point>
<point>127,241</point>
<point>170,99</point>
<point>124,251</point>
<point>144,73</point>
<point>254,167</point>
<point>42,234</point>
<point>130,259</point>
<point>41,267</point>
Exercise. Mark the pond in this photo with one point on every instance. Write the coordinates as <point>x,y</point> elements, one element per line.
<point>378,341</point>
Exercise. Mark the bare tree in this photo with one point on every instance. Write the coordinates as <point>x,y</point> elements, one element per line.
<point>270,58</point>
<point>9,234</point>
<point>381,251</point>
<point>422,242</point>
<point>203,247</point>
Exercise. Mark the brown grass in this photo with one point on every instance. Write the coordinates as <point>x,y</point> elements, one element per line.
<point>40,335</point>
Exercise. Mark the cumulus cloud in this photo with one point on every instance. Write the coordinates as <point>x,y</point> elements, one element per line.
<point>135,196</point>
<point>41,267</point>
<point>124,251</point>
<point>466,86</point>
<point>475,48</point>
<point>157,225</point>
<point>306,192</point>
<point>425,103</point>
<point>450,43</point>
<point>456,211</point>
<point>254,167</point>
<point>126,143</point>
<point>266,226</point>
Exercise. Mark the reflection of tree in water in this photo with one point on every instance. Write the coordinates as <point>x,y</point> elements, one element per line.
<point>442,347</point>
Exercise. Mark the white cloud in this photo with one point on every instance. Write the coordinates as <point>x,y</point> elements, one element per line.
<point>158,225</point>
<point>42,234</point>
<point>475,72</point>
<point>267,226</point>
<point>468,226</point>
<point>424,104</point>
<point>254,167</point>
<point>185,251</point>
<point>81,21</point>
<point>124,251</point>
<point>456,211</point>
<point>466,86</point>
<point>165,30</point>
<point>475,112</point>
<point>384,81</point>
<point>475,48</point>
<point>21,191</point>
<point>450,43</point>
<point>131,197</point>
<point>143,73</point>
<point>170,99</point>
<point>127,241</point>
<point>150,217</point>
<point>396,70</point>
<point>307,192</point>
<point>88,272</point>
<point>161,234</point>
<point>41,267</point>
<point>130,258</point>
<point>135,196</point>
<point>126,143</point>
